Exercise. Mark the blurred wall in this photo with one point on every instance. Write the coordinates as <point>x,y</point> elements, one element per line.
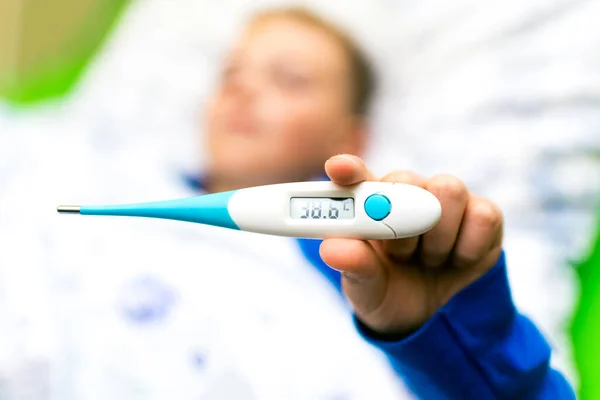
<point>9,27</point>
<point>45,45</point>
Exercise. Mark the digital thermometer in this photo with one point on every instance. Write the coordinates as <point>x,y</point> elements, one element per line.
<point>368,210</point>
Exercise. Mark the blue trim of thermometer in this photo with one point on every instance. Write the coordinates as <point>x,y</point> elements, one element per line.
<point>368,210</point>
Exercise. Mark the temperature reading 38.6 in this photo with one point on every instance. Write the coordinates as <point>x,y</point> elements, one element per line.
<point>321,208</point>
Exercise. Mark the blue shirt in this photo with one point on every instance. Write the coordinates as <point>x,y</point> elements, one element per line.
<point>477,346</point>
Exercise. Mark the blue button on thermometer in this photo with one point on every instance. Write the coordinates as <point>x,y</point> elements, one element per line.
<point>377,206</point>
<point>368,210</point>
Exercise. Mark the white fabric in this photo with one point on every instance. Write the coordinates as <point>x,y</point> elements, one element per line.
<point>232,315</point>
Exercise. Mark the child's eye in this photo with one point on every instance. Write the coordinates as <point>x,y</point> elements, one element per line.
<point>229,73</point>
<point>290,80</point>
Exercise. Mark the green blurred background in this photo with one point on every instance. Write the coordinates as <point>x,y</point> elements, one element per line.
<point>45,45</point>
<point>585,328</point>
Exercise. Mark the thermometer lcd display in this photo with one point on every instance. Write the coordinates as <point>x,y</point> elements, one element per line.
<point>321,208</point>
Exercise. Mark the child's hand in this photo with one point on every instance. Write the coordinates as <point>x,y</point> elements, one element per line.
<point>396,285</point>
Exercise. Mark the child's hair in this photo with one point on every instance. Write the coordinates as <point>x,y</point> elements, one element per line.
<point>362,76</point>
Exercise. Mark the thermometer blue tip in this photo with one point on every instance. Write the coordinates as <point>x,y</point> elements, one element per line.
<point>209,209</point>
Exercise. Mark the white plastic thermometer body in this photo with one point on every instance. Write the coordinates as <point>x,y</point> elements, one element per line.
<point>368,210</point>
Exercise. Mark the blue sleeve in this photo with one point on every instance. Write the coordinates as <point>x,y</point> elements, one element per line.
<point>476,347</point>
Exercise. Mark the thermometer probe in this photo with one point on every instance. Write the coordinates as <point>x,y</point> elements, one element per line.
<point>368,210</point>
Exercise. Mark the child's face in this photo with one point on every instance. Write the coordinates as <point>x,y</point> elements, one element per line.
<point>282,107</point>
